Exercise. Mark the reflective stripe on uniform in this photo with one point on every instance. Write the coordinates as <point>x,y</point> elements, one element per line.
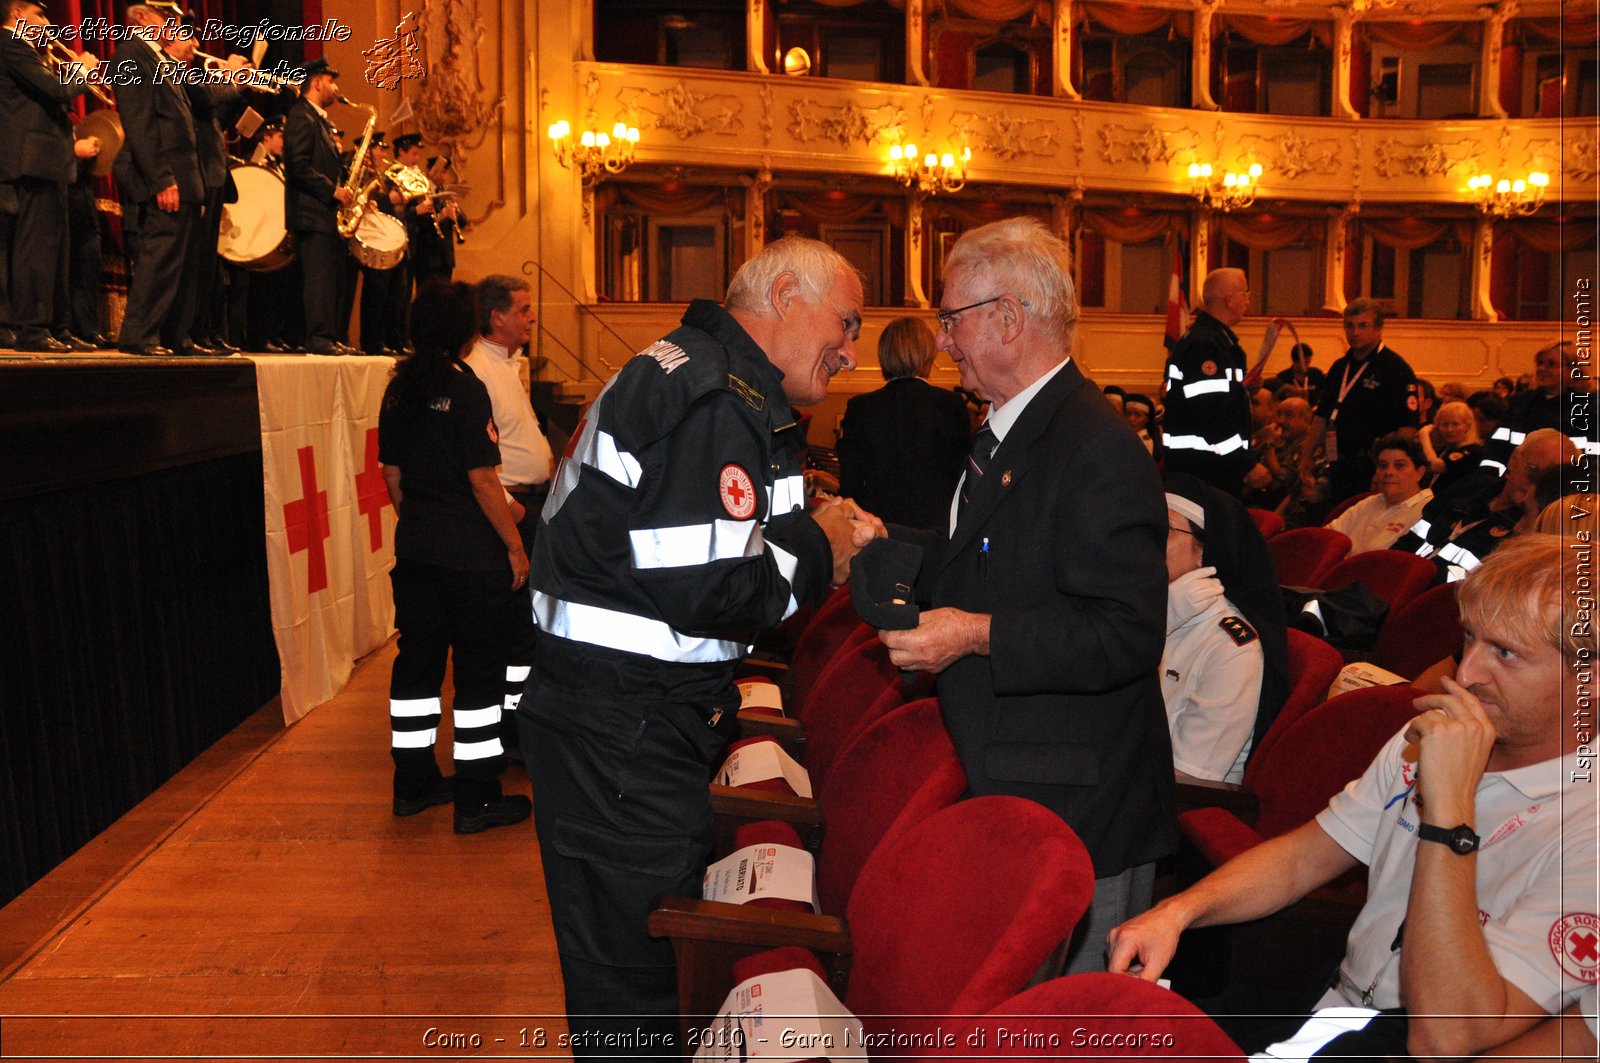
<point>1205,387</point>
<point>1174,372</point>
<point>786,495</point>
<point>410,708</point>
<point>477,750</point>
<point>412,739</point>
<point>617,630</point>
<point>476,717</point>
<point>695,544</point>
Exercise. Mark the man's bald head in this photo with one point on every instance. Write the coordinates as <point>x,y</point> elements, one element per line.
<point>1226,294</point>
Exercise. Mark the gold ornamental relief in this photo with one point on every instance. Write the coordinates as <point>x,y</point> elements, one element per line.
<point>845,124</point>
<point>1006,136</point>
<point>1583,159</point>
<point>1429,159</point>
<point>450,106</point>
<point>684,111</point>
<point>1148,145</point>
<point>1291,155</point>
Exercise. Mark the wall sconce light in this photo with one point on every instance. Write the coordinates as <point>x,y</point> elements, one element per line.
<point>932,173</point>
<point>1224,192</point>
<point>594,152</point>
<point>796,63</point>
<point>1509,199</point>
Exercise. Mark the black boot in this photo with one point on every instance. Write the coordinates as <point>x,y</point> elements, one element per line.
<point>481,806</point>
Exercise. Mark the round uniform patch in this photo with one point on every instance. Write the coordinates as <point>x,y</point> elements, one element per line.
<point>1208,367</point>
<point>738,492</point>
<point>1412,404</point>
<point>1575,942</point>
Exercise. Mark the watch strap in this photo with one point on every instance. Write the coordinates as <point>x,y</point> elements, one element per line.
<point>1461,839</point>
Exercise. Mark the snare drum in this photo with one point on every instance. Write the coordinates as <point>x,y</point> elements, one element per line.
<point>379,241</point>
<point>253,234</point>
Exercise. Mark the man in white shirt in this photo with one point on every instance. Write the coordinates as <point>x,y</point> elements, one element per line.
<point>505,321</point>
<point>1475,948</point>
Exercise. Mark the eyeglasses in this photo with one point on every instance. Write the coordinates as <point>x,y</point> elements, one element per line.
<point>1182,531</point>
<point>947,318</point>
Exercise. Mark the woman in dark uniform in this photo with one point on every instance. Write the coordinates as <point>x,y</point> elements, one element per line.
<point>458,558</point>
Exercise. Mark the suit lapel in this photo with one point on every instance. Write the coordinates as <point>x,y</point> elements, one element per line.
<point>1012,458</point>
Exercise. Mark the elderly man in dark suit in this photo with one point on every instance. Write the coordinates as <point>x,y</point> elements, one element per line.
<point>1049,591</point>
<point>158,170</point>
<point>313,196</point>
<point>36,166</point>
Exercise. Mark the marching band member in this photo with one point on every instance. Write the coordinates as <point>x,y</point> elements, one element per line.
<point>36,167</point>
<point>313,197</point>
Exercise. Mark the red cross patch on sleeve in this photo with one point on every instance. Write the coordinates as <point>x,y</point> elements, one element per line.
<point>738,492</point>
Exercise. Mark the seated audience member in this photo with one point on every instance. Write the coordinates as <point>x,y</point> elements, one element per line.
<point>1455,391</point>
<point>1283,462</point>
<point>1505,387</point>
<point>1225,662</point>
<point>1569,515</point>
<point>1427,401</point>
<point>1549,403</point>
<point>1457,531</point>
<point>1488,411</point>
<point>1140,412</point>
<point>1263,436</point>
<point>1114,395</point>
<point>1375,522</point>
<point>1470,933</point>
<point>903,446</point>
<point>1451,445</point>
<point>1300,374</point>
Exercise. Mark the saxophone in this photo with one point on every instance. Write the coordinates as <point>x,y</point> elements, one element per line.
<point>350,214</point>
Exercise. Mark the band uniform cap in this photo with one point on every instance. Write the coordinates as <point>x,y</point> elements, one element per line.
<point>882,576</point>
<point>319,65</point>
<point>407,141</point>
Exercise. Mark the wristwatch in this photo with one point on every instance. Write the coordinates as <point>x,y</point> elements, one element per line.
<point>1461,840</point>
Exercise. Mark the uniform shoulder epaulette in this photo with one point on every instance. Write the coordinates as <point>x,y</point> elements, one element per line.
<point>1238,629</point>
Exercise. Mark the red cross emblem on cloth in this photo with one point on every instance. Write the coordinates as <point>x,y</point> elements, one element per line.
<point>372,494</point>
<point>738,492</point>
<point>1575,942</point>
<point>305,522</point>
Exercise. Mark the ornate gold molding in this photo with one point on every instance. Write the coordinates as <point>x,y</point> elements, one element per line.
<point>844,123</point>
<point>1431,158</point>
<point>1291,155</point>
<point>450,106</point>
<point>1007,137</point>
<point>684,111</point>
<point>1147,144</point>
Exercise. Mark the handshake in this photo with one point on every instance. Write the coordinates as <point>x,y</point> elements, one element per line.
<point>848,528</point>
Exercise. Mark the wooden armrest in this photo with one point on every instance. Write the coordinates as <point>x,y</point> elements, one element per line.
<point>735,806</point>
<point>709,937</point>
<point>764,667</point>
<point>789,733</point>
<point>1204,793</point>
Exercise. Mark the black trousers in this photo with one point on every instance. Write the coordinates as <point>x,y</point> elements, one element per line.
<point>161,297</point>
<point>86,293</point>
<point>524,633</point>
<point>322,256</point>
<point>208,316</point>
<point>461,616</point>
<point>38,258</point>
<point>384,295</point>
<point>623,816</point>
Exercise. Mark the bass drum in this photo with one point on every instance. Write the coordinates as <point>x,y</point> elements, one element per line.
<point>253,235</point>
<point>379,241</point>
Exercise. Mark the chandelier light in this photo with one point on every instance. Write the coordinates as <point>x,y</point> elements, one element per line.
<point>1509,199</point>
<point>932,172</point>
<point>1225,191</point>
<point>594,152</point>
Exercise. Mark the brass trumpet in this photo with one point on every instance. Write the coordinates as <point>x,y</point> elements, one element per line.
<point>257,79</point>
<point>57,55</point>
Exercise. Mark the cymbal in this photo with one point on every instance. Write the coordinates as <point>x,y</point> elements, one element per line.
<point>107,125</point>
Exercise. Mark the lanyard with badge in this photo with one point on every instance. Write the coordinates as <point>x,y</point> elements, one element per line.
<point>1506,829</point>
<point>1330,441</point>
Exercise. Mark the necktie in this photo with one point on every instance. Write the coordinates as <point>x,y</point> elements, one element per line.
<point>983,447</point>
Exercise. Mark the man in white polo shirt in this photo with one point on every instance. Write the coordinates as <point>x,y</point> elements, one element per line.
<point>1476,823</point>
<point>505,321</point>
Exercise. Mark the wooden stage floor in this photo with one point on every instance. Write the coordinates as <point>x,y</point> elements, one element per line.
<point>266,903</point>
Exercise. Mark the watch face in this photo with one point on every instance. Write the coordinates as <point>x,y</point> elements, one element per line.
<point>1463,841</point>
